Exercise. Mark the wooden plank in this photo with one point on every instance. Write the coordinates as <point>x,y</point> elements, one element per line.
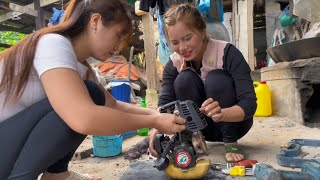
<point>21,30</point>
<point>40,21</point>
<point>4,45</point>
<point>43,3</point>
<point>23,9</point>
<point>4,6</point>
<point>5,17</point>
<point>13,24</point>
<point>243,32</point>
<point>149,46</point>
<point>235,23</point>
<point>251,56</point>
<point>151,65</point>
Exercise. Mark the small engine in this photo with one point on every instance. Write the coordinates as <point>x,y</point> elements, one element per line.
<point>182,149</point>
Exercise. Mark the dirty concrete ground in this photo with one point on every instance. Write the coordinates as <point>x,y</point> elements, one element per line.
<point>262,143</point>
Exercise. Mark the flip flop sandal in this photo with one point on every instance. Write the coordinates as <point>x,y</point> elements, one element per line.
<point>233,148</point>
<point>78,176</point>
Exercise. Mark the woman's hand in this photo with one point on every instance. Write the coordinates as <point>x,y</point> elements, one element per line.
<point>169,123</point>
<point>152,137</point>
<point>153,111</point>
<point>212,109</point>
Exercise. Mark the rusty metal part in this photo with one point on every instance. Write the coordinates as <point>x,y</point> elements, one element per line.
<point>199,143</point>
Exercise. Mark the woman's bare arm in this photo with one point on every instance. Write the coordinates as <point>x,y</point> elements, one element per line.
<point>69,97</point>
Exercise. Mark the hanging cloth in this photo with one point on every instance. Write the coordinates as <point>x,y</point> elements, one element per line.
<point>211,9</point>
<point>164,50</point>
<point>57,16</point>
<point>145,5</point>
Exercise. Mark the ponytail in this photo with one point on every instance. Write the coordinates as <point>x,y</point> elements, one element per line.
<point>70,9</point>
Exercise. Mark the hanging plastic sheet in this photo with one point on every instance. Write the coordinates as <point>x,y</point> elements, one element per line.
<point>164,49</point>
<point>204,7</point>
<point>57,16</point>
<point>145,5</point>
<point>286,19</point>
<point>211,9</point>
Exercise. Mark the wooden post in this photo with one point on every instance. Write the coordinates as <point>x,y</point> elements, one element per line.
<point>235,23</point>
<point>149,47</point>
<point>251,56</point>
<point>40,20</point>
<point>243,29</point>
<point>151,66</point>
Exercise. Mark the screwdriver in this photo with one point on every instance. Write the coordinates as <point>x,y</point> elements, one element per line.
<point>246,163</point>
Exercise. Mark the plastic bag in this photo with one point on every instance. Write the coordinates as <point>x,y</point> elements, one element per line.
<point>278,37</point>
<point>211,10</point>
<point>57,16</point>
<point>286,19</point>
<point>204,7</point>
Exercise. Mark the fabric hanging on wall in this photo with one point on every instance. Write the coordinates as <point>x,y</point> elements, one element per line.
<point>57,16</point>
<point>164,50</point>
<point>163,5</point>
<point>145,5</point>
<point>212,10</point>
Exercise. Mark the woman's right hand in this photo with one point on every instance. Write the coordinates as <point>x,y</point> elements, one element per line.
<point>169,123</point>
<point>152,137</point>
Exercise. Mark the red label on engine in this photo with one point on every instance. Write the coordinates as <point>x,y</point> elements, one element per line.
<point>183,159</point>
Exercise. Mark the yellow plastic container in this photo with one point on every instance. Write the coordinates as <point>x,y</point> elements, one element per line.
<point>263,95</point>
<point>238,171</point>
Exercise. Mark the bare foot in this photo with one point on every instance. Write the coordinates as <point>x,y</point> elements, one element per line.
<point>67,175</point>
<point>233,152</point>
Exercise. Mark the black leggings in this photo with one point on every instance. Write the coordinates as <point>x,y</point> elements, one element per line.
<point>220,87</point>
<point>37,140</point>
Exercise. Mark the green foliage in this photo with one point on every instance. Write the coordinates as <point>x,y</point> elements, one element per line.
<point>10,38</point>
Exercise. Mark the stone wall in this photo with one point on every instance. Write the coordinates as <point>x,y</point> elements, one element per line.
<point>291,85</point>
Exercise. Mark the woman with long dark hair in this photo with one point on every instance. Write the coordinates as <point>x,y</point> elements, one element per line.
<point>49,98</point>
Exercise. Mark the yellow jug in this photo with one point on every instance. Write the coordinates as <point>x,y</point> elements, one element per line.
<point>263,95</point>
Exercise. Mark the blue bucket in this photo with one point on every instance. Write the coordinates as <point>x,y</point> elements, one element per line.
<point>107,146</point>
<point>121,90</point>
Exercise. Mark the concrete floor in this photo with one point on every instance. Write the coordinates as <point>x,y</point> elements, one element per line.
<point>262,143</point>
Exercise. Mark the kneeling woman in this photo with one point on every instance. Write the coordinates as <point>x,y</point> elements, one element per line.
<point>213,74</point>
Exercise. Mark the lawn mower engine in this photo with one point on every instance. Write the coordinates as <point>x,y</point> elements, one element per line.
<point>178,155</point>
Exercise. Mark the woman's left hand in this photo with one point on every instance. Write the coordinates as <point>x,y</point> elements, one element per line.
<point>212,109</point>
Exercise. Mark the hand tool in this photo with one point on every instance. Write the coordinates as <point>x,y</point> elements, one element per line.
<point>267,172</point>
